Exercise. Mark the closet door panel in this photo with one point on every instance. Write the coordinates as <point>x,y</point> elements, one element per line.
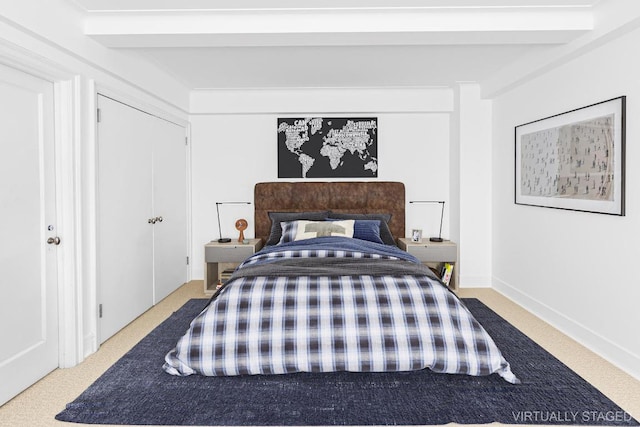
<point>125,237</point>
<point>170,205</point>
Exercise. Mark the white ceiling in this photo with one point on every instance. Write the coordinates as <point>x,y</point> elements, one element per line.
<point>323,66</point>
<point>220,44</point>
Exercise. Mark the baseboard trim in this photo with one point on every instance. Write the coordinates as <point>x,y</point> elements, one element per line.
<point>470,282</point>
<point>603,347</point>
<point>90,344</point>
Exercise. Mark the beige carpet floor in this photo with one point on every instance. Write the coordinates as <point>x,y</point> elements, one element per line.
<point>37,406</point>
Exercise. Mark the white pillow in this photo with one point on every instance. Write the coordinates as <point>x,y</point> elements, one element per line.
<point>302,229</point>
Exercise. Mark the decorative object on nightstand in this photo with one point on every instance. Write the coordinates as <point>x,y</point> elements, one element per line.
<point>241,225</point>
<point>439,238</point>
<point>225,239</point>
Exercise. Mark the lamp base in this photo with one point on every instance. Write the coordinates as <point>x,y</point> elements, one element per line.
<point>224,240</point>
<point>436,239</point>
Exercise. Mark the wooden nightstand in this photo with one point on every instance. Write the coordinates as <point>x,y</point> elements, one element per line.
<point>434,254</point>
<point>221,256</point>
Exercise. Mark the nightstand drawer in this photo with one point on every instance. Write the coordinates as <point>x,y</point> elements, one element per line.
<point>434,252</point>
<point>232,253</point>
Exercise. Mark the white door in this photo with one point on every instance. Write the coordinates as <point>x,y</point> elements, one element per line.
<point>125,237</point>
<point>29,303</point>
<point>170,207</point>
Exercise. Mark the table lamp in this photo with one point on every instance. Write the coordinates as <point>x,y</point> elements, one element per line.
<point>439,238</point>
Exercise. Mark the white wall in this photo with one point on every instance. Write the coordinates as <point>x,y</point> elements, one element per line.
<point>472,180</point>
<point>576,270</point>
<point>231,152</point>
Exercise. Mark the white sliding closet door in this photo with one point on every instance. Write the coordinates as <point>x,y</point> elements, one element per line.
<point>170,208</point>
<point>142,239</point>
<point>29,302</point>
<point>125,237</point>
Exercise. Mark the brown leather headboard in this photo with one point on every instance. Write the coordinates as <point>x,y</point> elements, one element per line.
<point>344,197</point>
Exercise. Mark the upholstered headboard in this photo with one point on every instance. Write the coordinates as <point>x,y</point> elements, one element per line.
<point>343,197</point>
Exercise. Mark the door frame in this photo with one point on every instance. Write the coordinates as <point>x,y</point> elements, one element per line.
<point>66,139</point>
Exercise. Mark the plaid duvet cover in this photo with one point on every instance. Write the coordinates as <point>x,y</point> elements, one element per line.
<point>277,321</point>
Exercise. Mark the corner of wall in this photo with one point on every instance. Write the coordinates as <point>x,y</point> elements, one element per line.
<point>471,174</point>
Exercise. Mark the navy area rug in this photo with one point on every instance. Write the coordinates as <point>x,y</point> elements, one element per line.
<point>136,391</point>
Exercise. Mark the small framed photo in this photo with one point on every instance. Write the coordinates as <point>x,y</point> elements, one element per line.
<point>416,235</point>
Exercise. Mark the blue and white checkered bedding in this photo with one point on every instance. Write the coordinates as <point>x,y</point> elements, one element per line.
<point>276,321</point>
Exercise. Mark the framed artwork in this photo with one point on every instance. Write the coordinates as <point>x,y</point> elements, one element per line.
<point>574,160</point>
<point>328,147</point>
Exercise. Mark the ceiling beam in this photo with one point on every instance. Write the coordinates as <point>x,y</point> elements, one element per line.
<point>331,27</point>
<point>202,5</point>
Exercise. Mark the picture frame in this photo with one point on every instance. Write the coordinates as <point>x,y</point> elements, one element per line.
<point>327,147</point>
<point>574,160</point>
<point>416,235</point>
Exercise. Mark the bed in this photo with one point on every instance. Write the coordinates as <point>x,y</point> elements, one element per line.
<point>331,291</point>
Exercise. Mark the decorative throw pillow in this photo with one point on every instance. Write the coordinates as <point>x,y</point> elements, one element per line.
<point>365,229</point>
<point>301,230</point>
<point>385,234</point>
<point>278,217</point>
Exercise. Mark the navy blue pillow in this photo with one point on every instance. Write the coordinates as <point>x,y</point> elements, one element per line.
<point>366,229</point>
<point>385,233</point>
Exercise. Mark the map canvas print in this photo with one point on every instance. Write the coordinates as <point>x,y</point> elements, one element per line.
<point>335,147</point>
<point>573,160</point>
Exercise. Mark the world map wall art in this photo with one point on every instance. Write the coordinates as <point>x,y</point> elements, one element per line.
<point>335,147</point>
<point>574,160</point>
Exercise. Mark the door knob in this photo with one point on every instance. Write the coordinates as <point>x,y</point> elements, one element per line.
<point>159,218</point>
<point>53,240</point>
<point>152,220</point>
